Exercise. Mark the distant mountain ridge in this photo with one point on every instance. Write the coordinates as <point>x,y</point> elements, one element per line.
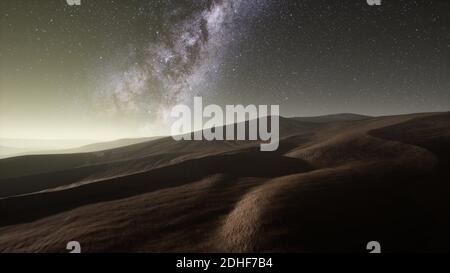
<point>82,147</point>
<point>334,117</point>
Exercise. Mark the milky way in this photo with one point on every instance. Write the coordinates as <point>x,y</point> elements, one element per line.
<point>180,62</point>
<point>112,69</point>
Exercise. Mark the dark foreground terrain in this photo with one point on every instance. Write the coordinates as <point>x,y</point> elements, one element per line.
<point>336,183</point>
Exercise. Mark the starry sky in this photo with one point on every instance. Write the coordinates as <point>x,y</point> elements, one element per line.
<point>114,68</point>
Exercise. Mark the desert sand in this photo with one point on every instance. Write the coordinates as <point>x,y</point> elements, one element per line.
<point>336,183</point>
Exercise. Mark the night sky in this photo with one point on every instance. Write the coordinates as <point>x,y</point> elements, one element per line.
<point>114,68</point>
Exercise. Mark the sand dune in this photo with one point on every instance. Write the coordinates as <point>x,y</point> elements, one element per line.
<point>336,183</point>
